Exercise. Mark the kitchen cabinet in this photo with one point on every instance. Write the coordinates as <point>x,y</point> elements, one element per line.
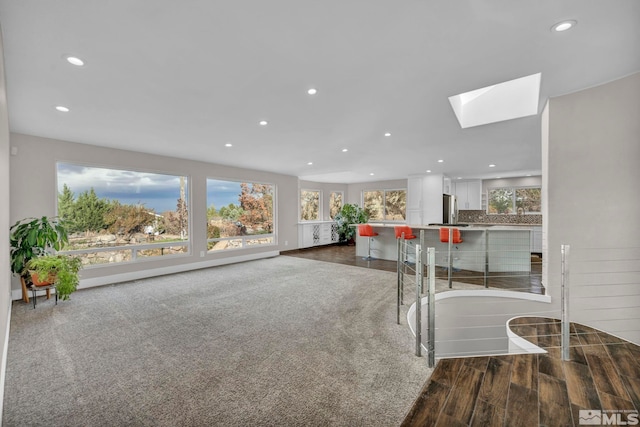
<point>317,233</point>
<point>469,194</point>
<point>447,186</point>
<point>505,247</point>
<point>536,240</point>
<point>424,199</point>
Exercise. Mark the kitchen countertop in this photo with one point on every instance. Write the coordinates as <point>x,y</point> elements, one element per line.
<point>492,224</point>
<point>470,227</point>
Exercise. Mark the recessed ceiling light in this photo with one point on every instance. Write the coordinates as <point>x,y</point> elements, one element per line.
<point>228,144</point>
<point>387,134</point>
<point>428,170</point>
<point>564,26</point>
<point>62,109</point>
<point>371,174</point>
<point>312,91</point>
<point>344,150</point>
<point>74,61</point>
<point>440,161</point>
<point>309,163</point>
<point>492,166</point>
<point>263,122</point>
<point>459,177</point>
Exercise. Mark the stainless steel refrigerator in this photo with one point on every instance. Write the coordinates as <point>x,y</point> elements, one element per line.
<point>449,209</point>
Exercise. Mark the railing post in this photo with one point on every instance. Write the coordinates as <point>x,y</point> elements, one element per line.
<point>400,280</point>
<point>486,258</point>
<point>422,246</point>
<point>418,300</point>
<point>450,245</point>
<point>431,306</point>
<point>565,249</point>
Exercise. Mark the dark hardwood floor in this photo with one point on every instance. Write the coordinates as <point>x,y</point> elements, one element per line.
<point>341,254</point>
<point>344,254</point>
<point>601,379</point>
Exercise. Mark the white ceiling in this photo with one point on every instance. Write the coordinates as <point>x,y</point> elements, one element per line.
<point>183,78</point>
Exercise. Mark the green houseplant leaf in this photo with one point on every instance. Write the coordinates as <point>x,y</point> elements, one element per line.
<point>63,269</point>
<point>350,214</point>
<point>33,237</point>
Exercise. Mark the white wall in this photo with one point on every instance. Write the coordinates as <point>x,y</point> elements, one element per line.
<point>355,190</point>
<point>326,189</point>
<point>5,270</point>
<point>524,181</point>
<point>33,194</point>
<point>593,175</point>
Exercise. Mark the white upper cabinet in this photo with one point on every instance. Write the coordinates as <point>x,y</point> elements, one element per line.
<point>469,194</point>
<point>424,199</point>
<point>414,193</point>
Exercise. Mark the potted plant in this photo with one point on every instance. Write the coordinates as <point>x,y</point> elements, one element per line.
<point>61,270</point>
<point>350,214</point>
<point>31,238</point>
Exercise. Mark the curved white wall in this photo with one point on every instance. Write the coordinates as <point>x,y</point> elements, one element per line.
<point>474,322</point>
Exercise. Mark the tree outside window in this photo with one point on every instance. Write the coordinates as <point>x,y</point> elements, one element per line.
<point>385,205</point>
<point>121,215</point>
<point>395,205</point>
<point>309,205</point>
<point>515,200</point>
<point>501,201</point>
<point>245,215</point>
<point>374,204</point>
<point>335,203</point>
<point>529,200</point>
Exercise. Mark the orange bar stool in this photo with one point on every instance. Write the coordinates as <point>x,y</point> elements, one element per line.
<point>444,235</point>
<point>365,230</point>
<point>408,233</point>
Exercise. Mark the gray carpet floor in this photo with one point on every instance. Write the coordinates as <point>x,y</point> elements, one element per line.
<point>275,342</point>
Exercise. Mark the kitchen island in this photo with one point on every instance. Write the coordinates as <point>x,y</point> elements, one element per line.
<point>484,248</point>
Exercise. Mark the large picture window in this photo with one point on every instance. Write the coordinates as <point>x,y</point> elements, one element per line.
<point>115,215</point>
<point>239,214</point>
<point>385,205</point>
<point>509,200</point>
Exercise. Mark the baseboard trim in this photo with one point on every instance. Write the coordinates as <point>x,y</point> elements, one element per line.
<point>16,294</point>
<point>3,363</point>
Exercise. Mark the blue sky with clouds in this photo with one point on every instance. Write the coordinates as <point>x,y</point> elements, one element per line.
<point>159,192</point>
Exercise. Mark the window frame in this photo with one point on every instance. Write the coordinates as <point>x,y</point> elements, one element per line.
<point>245,241</point>
<point>320,201</point>
<point>514,199</point>
<point>331,193</point>
<point>384,203</point>
<point>135,248</point>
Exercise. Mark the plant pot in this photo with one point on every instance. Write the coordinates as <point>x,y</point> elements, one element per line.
<point>42,282</point>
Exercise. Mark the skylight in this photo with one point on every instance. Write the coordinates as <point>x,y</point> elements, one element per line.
<point>504,101</point>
